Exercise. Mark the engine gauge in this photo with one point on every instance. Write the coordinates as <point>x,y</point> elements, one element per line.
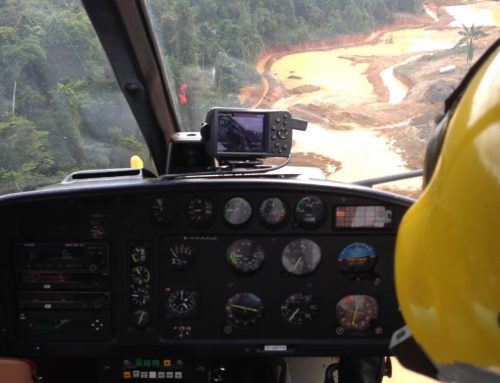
<point>244,309</point>
<point>355,313</point>
<point>300,309</point>
<point>358,257</point>
<point>273,211</point>
<point>237,211</point>
<point>138,253</point>
<point>301,256</point>
<point>140,296</point>
<point>182,303</point>
<point>309,211</point>
<point>163,210</point>
<point>181,256</point>
<point>140,276</point>
<point>199,211</point>
<point>245,256</point>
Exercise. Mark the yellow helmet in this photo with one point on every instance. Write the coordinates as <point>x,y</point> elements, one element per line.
<point>447,265</point>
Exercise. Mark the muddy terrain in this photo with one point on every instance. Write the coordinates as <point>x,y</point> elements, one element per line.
<point>371,100</point>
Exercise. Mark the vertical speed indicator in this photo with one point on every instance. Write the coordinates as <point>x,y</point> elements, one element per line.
<point>300,309</point>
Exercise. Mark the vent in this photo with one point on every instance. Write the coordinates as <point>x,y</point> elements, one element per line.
<point>96,175</point>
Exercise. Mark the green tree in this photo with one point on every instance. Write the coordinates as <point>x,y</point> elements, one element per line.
<point>23,149</point>
<point>469,34</point>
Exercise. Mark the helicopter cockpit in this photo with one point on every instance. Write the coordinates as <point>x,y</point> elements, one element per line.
<point>214,256</point>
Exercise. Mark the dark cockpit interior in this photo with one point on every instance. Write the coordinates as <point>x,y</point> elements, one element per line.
<point>151,277</point>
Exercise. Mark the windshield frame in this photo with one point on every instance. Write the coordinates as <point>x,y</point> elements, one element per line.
<point>125,32</point>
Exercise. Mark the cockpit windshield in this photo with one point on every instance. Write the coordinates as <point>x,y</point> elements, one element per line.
<point>370,76</point>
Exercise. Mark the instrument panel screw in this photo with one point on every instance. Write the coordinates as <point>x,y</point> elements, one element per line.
<point>339,330</point>
<point>132,87</point>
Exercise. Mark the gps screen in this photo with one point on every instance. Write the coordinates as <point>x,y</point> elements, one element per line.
<point>240,132</point>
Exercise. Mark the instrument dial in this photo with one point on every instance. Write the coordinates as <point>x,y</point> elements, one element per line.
<point>182,303</point>
<point>244,309</point>
<point>181,256</point>
<point>138,254</point>
<point>301,256</point>
<point>141,319</point>
<point>140,296</point>
<point>199,211</point>
<point>237,211</point>
<point>163,210</point>
<point>140,276</point>
<point>245,256</point>
<point>300,309</point>
<point>355,313</point>
<point>309,211</point>
<point>358,257</point>
<point>273,211</point>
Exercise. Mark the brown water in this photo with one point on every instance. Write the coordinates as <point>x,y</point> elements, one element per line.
<point>342,81</point>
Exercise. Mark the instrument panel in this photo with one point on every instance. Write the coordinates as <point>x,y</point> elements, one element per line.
<point>243,267</point>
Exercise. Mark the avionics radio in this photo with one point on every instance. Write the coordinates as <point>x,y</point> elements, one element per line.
<point>78,257</point>
<point>63,290</point>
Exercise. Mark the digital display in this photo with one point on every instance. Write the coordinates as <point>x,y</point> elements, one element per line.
<point>375,216</point>
<point>62,256</point>
<point>240,132</point>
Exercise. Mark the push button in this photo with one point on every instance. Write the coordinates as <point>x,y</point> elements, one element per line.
<point>282,133</point>
<point>167,362</point>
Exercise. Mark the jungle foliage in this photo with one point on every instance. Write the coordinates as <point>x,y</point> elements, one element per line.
<point>60,107</point>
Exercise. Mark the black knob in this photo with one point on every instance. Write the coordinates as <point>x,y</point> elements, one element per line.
<point>205,132</point>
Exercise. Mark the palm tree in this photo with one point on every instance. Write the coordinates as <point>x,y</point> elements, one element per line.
<point>468,36</point>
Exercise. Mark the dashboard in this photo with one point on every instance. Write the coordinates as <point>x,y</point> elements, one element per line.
<point>228,267</point>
